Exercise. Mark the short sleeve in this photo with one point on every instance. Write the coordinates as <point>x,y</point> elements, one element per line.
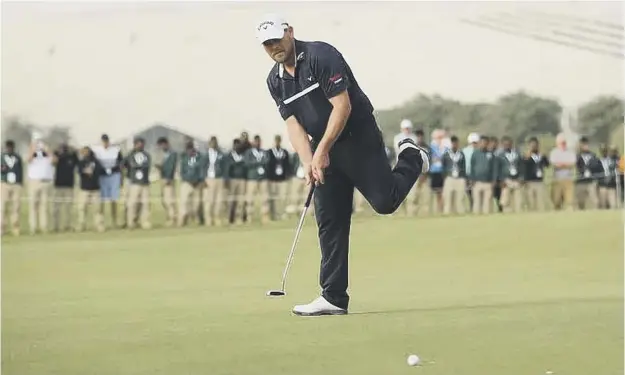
<point>330,70</point>
<point>285,112</point>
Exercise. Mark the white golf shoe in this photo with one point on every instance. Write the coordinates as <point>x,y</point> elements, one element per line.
<point>318,307</point>
<point>425,158</point>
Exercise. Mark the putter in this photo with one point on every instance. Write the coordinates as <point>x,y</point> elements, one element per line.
<point>282,292</point>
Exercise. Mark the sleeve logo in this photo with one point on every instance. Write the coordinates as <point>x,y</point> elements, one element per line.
<point>336,78</point>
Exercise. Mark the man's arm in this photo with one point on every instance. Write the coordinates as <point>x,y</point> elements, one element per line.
<point>336,122</point>
<point>329,68</point>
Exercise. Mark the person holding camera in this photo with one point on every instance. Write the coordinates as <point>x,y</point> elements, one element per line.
<point>65,160</point>
<point>40,176</point>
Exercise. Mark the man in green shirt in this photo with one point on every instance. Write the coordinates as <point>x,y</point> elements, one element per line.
<point>482,177</point>
<point>214,191</point>
<point>167,164</point>
<point>12,181</point>
<point>192,181</point>
<point>235,176</point>
<point>510,176</point>
<point>455,183</point>
<point>298,186</point>
<point>138,163</point>
<point>257,188</point>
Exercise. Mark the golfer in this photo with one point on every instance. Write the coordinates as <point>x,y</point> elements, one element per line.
<point>318,96</point>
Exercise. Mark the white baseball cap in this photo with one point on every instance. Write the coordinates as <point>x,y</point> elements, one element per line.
<point>271,27</point>
<point>473,138</point>
<point>405,124</point>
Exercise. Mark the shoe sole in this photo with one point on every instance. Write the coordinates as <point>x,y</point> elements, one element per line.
<point>321,313</point>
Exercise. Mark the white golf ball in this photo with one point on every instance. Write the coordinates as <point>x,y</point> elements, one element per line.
<point>413,360</point>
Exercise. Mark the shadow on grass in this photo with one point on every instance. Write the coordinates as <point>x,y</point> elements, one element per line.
<point>503,305</point>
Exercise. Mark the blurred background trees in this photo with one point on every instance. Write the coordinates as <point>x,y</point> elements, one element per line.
<point>519,115</point>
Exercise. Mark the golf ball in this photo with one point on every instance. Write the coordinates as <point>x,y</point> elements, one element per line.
<point>413,360</point>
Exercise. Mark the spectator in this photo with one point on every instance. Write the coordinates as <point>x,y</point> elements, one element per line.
<point>298,185</point>
<point>563,161</point>
<point>620,172</point>
<point>139,163</point>
<point>607,180</point>
<point>89,171</point>
<point>483,176</point>
<point>66,161</point>
<point>12,182</point>
<point>111,159</point>
<point>406,131</point>
<point>493,146</point>
<point>192,176</point>
<point>235,175</point>
<point>167,166</point>
<point>257,191</point>
<point>455,172</point>
<point>278,173</point>
<point>437,150</point>
<point>420,196</point>
<point>510,177</point>
<point>533,169</point>
<point>472,140</point>
<point>245,142</point>
<point>40,175</point>
<point>214,192</point>
<point>588,169</point>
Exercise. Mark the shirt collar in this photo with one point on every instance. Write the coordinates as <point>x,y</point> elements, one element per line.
<point>298,57</point>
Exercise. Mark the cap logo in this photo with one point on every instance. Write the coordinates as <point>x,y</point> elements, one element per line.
<point>264,25</point>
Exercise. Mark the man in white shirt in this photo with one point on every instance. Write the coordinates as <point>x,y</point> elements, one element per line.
<point>472,141</point>
<point>406,131</point>
<point>563,161</point>
<point>110,157</point>
<point>40,176</point>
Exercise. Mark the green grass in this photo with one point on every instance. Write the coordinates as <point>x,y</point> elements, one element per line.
<point>505,295</point>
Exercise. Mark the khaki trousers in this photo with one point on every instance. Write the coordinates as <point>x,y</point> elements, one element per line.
<point>257,198</point>
<point>586,193</point>
<point>214,201</point>
<point>138,205</point>
<point>279,193</point>
<point>236,197</point>
<point>535,195</point>
<point>297,197</point>
<point>168,199</point>
<point>38,196</point>
<point>453,195</point>
<point>190,200</point>
<point>11,203</point>
<point>482,197</point>
<point>62,204</point>
<point>562,192</point>
<point>87,198</point>
<point>607,197</point>
<point>511,196</point>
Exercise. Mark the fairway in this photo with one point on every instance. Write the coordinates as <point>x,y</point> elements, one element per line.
<point>507,295</point>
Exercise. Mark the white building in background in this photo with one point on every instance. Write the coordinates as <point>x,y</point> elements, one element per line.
<point>568,124</point>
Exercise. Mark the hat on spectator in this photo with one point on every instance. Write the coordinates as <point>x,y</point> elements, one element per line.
<point>105,137</point>
<point>271,27</point>
<point>473,138</point>
<point>405,124</point>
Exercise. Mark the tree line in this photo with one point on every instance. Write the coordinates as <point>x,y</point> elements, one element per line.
<point>518,115</point>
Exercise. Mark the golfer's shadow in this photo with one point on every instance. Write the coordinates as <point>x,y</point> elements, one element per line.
<point>549,302</point>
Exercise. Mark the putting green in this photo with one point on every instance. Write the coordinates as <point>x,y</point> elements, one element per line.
<point>505,295</point>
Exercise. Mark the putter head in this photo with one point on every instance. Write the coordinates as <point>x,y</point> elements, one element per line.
<point>276,293</point>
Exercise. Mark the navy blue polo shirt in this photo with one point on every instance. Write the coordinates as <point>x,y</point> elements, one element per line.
<point>320,74</point>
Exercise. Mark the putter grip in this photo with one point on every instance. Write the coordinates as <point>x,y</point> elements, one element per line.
<point>310,195</point>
